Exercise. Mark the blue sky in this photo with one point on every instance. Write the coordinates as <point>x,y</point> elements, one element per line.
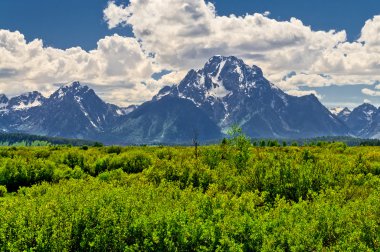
<point>69,23</point>
<point>72,23</point>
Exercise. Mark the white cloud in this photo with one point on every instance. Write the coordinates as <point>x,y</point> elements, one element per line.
<point>370,92</point>
<point>116,62</point>
<point>370,34</point>
<point>115,15</point>
<point>295,92</point>
<point>185,33</point>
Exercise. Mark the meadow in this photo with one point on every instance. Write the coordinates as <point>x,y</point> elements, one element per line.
<point>226,197</point>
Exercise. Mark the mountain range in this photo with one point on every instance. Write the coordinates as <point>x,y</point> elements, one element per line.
<point>206,103</point>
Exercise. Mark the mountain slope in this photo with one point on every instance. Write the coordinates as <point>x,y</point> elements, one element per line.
<point>344,114</point>
<point>365,122</point>
<point>231,92</point>
<point>168,120</point>
<point>360,119</point>
<point>73,111</point>
<point>208,101</point>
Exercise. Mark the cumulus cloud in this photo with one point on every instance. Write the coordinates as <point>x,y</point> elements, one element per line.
<point>370,92</point>
<point>116,62</point>
<point>183,34</point>
<point>177,35</point>
<point>115,15</point>
<point>295,92</point>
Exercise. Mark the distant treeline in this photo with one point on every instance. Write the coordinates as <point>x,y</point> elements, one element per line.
<point>317,141</point>
<point>19,139</point>
<point>350,141</point>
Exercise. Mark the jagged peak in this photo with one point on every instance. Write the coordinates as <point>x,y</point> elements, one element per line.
<point>73,88</point>
<point>344,112</point>
<point>216,61</point>
<point>238,74</point>
<point>75,85</point>
<point>365,106</point>
<point>219,58</point>
<point>220,77</point>
<point>32,94</point>
<point>3,99</point>
<point>26,101</point>
<point>339,110</point>
<point>258,70</point>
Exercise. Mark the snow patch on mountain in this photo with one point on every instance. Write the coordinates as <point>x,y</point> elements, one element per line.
<point>336,111</point>
<point>22,105</point>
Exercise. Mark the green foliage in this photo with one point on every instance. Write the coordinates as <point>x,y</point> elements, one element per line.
<point>3,191</point>
<point>240,144</point>
<point>97,144</point>
<point>233,197</point>
<point>262,143</point>
<point>19,139</point>
<point>114,149</point>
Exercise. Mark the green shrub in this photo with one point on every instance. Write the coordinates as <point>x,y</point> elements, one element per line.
<point>136,163</point>
<point>114,149</point>
<point>232,198</point>
<point>3,191</point>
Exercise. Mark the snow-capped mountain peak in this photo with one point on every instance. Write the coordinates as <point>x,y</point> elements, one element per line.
<point>220,78</point>
<point>360,119</point>
<point>344,114</point>
<point>367,110</point>
<point>230,72</point>
<point>26,101</point>
<point>71,89</point>
<point>230,91</point>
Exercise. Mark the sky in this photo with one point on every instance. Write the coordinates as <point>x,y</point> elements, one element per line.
<point>127,51</point>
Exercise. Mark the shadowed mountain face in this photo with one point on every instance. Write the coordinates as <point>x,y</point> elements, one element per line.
<point>169,120</point>
<point>205,103</point>
<point>364,121</point>
<point>73,111</point>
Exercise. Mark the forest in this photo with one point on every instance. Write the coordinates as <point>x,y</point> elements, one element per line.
<point>231,196</point>
<point>21,139</point>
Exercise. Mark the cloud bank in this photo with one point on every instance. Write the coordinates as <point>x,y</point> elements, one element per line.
<point>177,35</point>
<point>117,61</point>
<point>185,33</point>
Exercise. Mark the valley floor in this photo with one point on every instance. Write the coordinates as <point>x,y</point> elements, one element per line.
<point>227,197</point>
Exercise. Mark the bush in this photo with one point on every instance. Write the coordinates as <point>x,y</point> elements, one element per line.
<point>3,191</point>
<point>320,198</point>
<point>136,163</point>
<point>114,149</point>
<point>211,157</point>
<point>73,159</point>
